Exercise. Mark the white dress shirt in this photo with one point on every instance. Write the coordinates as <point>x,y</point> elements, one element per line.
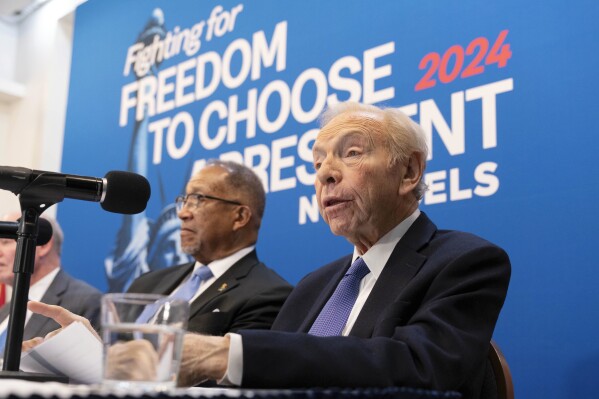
<point>376,257</point>
<point>218,268</point>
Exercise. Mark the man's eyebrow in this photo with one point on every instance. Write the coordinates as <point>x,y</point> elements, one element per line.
<point>354,137</point>
<point>348,134</point>
<point>317,146</point>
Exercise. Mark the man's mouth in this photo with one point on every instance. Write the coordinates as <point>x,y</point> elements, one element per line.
<point>333,201</point>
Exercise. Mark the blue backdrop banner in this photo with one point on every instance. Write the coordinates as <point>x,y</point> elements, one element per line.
<point>505,92</point>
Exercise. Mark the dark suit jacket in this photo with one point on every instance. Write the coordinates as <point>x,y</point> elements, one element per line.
<point>248,295</point>
<point>70,293</point>
<point>427,322</point>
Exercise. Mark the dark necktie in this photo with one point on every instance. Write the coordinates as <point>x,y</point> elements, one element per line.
<point>334,314</point>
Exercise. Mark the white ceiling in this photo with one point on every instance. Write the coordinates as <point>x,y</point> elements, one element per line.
<point>17,10</point>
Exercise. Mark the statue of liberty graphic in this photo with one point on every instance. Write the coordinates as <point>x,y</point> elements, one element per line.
<point>144,244</point>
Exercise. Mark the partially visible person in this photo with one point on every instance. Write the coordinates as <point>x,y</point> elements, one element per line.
<point>221,214</point>
<point>49,283</point>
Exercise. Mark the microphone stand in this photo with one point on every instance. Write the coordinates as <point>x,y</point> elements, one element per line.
<point>45,191</point>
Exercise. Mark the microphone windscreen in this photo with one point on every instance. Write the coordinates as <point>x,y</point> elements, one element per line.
<point>44,231</point>
<point>126,192</point>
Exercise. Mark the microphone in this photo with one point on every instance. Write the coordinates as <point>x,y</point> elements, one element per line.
<point>117,191</point>
<point>44,231</point>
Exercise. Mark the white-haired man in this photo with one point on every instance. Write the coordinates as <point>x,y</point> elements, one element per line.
<point>49,283</point>
<point>412,306</point>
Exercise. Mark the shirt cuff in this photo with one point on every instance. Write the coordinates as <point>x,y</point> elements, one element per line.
<point>234,372</point>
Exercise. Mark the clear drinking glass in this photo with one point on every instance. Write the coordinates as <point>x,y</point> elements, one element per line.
<point>143,341</point>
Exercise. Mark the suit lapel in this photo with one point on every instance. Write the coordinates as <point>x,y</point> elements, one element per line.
<point>402,266</point>
<point>172,279</point>
<point>4,311</point>
<point>53,295</point>
<point>225,283</point>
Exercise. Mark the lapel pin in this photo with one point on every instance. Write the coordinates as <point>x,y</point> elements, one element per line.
<point>223,287</point>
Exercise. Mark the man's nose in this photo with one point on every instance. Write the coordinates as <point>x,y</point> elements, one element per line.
<point>329,171</point>
<point>184,213</point>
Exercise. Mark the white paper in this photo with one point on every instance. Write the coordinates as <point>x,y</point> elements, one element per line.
<point>74,352</point>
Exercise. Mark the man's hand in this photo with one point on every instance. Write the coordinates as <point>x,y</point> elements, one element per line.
<point>133,360</point>
<point>32,343</point>
<point>59,315</point>
<point>204,358</point>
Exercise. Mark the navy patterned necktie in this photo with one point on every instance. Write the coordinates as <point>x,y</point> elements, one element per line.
<point>334,315</point>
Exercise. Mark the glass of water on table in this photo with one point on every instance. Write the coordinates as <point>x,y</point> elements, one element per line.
<point>143,341</point>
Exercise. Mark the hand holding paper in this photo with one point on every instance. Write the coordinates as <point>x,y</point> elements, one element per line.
<point>73,352</point>
<point>59,315</point>
<point>143,355</point>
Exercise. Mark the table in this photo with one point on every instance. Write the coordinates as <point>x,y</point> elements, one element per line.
<point>16,389</point>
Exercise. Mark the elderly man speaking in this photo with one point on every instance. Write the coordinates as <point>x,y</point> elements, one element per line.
<point>412,306</point>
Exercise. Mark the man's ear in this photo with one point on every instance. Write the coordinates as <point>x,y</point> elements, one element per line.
<point>412,173</point>
<point>243,215</point>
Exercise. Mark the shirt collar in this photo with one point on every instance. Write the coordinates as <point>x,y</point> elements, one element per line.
<point>377,256</point>
<point>37,290</point>
<point>220,266</point>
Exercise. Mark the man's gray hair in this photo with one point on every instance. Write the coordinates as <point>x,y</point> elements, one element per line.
<point>245,180</point>
<point>404,136</point>
<point>57,234</point>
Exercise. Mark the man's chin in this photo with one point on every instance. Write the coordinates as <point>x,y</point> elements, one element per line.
<point>189,250</point>
<point>6,281</point>
<point>340,229</point>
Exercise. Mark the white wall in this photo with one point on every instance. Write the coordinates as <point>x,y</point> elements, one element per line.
<point>8,96</point>
<point>34,76</point>
<point>8,49</point>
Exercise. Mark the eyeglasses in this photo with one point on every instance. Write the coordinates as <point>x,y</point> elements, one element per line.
<point>194,200</point>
